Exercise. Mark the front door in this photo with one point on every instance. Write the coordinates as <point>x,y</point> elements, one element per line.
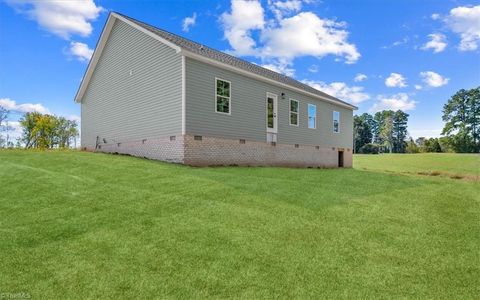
<point>271,113</point>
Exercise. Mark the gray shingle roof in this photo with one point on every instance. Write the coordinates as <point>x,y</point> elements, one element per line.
<point>225,58</point>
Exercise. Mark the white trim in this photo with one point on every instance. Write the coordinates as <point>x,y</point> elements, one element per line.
<point>229,98</point>
<point>259,77</point>
<point>308,116</point>
<point>333,121</point>
<point>275,112</point>
<point>101,45</point>
<point>95,57</point>
<point>183,96</point>
<point>290,112</point>
<point>147,32</point>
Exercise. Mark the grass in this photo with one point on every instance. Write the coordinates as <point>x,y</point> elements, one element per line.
<point>84,225</point>
<point>452,165</point>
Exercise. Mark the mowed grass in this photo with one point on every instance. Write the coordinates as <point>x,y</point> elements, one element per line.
<point>456,166</point>
<point>85,225</point>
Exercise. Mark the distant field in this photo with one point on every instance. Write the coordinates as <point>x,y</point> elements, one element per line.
<point>84,225</point>
<point>444,164</point>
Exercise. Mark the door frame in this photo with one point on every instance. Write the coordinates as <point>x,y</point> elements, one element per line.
<point>275,112</point>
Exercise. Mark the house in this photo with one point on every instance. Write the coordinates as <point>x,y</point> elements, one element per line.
<point>151,93</point>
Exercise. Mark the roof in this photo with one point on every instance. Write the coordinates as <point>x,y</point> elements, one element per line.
<point>226,59</point>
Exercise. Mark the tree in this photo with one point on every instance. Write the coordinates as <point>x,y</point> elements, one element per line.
<point>28,123</point>
<point>420,142</point>
<point>399,134</point>
<point>377,125</point>
<point>384,130</point>
<point>47,131</point>
<point>461,115</point>
<point>362,131</point>
<point>369,149</point>
<point>386,133</point>
<point>411,147</point>
<point>432,145</point>
<point>3,117</point>
<point>446,144</point>
<point>66,130</point>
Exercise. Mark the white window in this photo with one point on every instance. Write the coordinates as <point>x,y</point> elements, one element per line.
<point>336,122</point>
<point>312,116</point>
<point>222,96</point>
<point>294,112</point>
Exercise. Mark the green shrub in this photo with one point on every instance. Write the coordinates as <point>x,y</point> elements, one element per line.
<point>369,149</point>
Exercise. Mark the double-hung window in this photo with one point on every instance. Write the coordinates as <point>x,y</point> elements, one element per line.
<point>222,96</point>
<point>312,116</point>
<point>336,122</point>
<point>294,112</point>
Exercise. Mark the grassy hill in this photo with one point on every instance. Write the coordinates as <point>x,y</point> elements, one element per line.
<point>78,225</point>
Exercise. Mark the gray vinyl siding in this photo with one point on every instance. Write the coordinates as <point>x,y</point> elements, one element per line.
<point>120,107</point>
<point>248,109</point>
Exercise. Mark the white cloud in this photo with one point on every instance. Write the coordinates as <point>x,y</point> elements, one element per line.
<point>360,77</point>
<point>418,87</point>
<point>12,105</point>
<point>80,51</point>
<point>437,43</point>
<point>245,16</point>
<point>395,102</point>
<point>14,130</point>
<point>354,94</point>
<point>280,68</point>
<point>189,22</point>
<point>433,79</point>
<point>282,8</point>
<point>306,34</point>
<point>395,80</point>
<point>465,21</point>
<point>313,69</point>
<point>397,43</point>
<point>284,38</point>
<point>73,118</point>
<point>62,18</point>
<point>435,16</point>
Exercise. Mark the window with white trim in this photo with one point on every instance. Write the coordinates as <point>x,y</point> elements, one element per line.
<point>336,122</point>
<point>294,105</point>
<point>222,96</point>
<point>312,116</point>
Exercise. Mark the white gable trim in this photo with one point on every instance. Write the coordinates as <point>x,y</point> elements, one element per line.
<point>147,32</point>
<point>261,78</point>
<point>101,45</point>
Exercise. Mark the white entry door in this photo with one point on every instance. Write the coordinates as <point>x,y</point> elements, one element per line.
<point>271,116</point>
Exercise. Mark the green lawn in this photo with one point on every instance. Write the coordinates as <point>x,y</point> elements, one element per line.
<point>84,225</point>
<point>437,164</point>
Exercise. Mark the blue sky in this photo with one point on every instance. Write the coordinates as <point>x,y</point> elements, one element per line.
<point>411,55</point>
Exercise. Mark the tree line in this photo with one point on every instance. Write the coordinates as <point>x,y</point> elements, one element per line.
<point>386,131</point>
<point>42,131</point>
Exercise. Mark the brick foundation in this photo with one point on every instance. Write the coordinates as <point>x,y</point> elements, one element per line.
<point>169,149</point>
<point>213,151</point>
